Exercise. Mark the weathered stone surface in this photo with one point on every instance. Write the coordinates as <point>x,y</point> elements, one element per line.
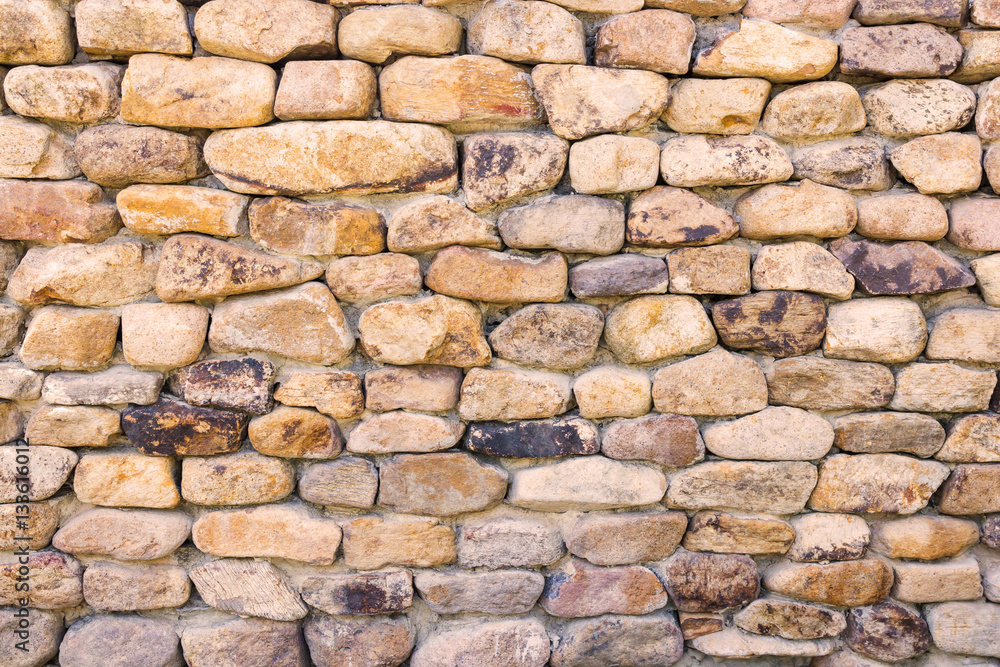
<point>241,641</point>
<point>721,532</point>
<point>72,94</point>
<point>581,101</point>
<point>45,634</point>
<point>979,61</point>
<point>991,531</point>
<point>619,275</point>
<point>303,323</point>
<point>347,482</point>
<point>31,149</point>
<point>375,34</point>
<point>299,228</point>
<point>947,13</point>
<point>904,108</point>
<point>884,329</point>
<point>542,438</point>
<point>692,161</point>
<point>435,222</point>
<point>779,211</point>
<point>18,383</point>
<point>716,106</point>
<point>667,217</point>
<point>721,269</point>
<point>709,582</point>
<point>867,483</point>
<point>366,593</point>
<point>985,13</point>
<point>119,28</point>
<point>348,87</point>
<point>116,385</point>
<point>669,440</point>
<point>943,388</point>
<point>972,488</point>
<point>123,534</point>
<point>485,275</point>
<point>371,543</point>
<point>644,641</point>
<point>908,267</point>
<point>779,323</point>
<point>823,537</point>
<point>249,588</point>
<point>854,163</point>
<point>508,394</point>
<point>55,579</point>
<point>35,33</point>
<point>164,335</point>
<point>169,209</point>
<point>791,620</point>
<point>425,388</point>
<point>987,270</point>
<point>63,212</point>
<point>69,339</point>
<point>374,277</point>
<point>107,275</point>
<point>887,631</point>
<point>205,92</point>
<point>906,51</point>
<point>804,266</point>
<point>295,433</point>
<point>773,434</point>
<point>580,589</point>
<point>610,164</point>
<point>11,423</point>
<point>171,428</point>
<point>987,118</point>
<point>465,93</point>
<point>940,163</point>
<point>35,532</point>
<point>972,225</point>
<point>126,479</point>
<point>585,483</point>
<point>972,439</point>
<point>506,592</point>
<point>831,14</point>
<point>700,7</point>
<point>243,384</point>
<point>514,642</point>
<point>850,583</point>
<point>499,167</point>
<point>112,586</point>
<point>269,32</point>
<point>885,432</point>
<point>558,336</point>
<point>362,157</point>
<point>404,432</point>
<point>268,531</point>
<point>819,109</point>
<point>375,642</point>
<point>657,40</point>
<point>556,36</point>
<point>732,643</point>
<point>119,155</point>
<point>769,51</point>
<point>964,335</point>
<point>609,391</point>
<point>568,223</point>
<point>508,542</point>
<point>937,582</point>
<point>750,486</point>
<point>650,328</point>
<point>439,484</point>
<point>623,539</point>
<point>243,478</point>
<point>718,383</point>
<point>116,641</point>
<point>334,393</point>
<point>437,330</point>
<point>924,537</point>
<point>965,627</point>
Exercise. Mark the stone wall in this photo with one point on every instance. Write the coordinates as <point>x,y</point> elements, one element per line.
<point>499,334</point>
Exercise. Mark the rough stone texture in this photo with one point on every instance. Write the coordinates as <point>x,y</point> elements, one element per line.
<point>69,339</point>
<point>249,588</point>
<point>57,211</point>
<point>508,394</point>
<point>971,489</point>
<point>651,328</point>
<point>240,641</point>
<point>942,388</point>
<point>55,579</point>
<point>888,330</point>
<point>887,631</point>
<point>820,109</point>
<point>347,482</point>
<point>268,531</point>
<point>556,36</point>
<point>118,587</point>
<point>749,486</point>
<point>382,592</point>
<point>670,440</point>
<point>556,336</point>
<point>905,108</point>
<point>570,224</point>
<point>965,627</point>
<point>379,641</point>
<point>721,532</point>
<point>293,227</point>
<point>822,537</point>
<point>963,335</point>
<point>791,620</point>
<point>781,324</point>
<point>904,51</point>
<point>709,582</point>
<point>946,163</point>
<point>334,393</point>
<point>827,384</point>
<point>375,34</point>
<point>905,217</point>
<point>714,384</point>
<point>124,534</point>
<point>909,267</point>
<point>168,209</point>
<point>887,432</point>
<point>855,163</point>
<point>723,269</point>
<point>804,266</point>
<point>587,483</point>
<point>656,40</point>
<point>119,640</point>
<point>778,211</point>
<point>654,639</point>
<point>426,388</point>
<point>773,434</point>
<point>852,583</point>
<point>499,167</point>
<point>119,155</point>
<point>666,217</point>
<point>171,428</point>
<point>507,542</point>
<point>243,478</point>
<point>30,149</point>
<point>580,589</point>
<point>436,222</point>
<point>439,484</point>
<point>404,432</point>
<point>623,539</point>
<point>610,164</point>
<point>830,14</point>
<point>120,28</point>
<point>371,543</point>
<point>879,483</point>
<point>35,33</point>
<point>507,592</point>
<point>268,32</point>
<point>693,161</point>
<point>515,642</point>
<point>479,274</point>
<point>937,582</point>
<point>72,94</point>
<point>126,479</point>
<point>924,537</point>
<point>116,385</point>
<point>716,106</point>
<point>348,89</point>
<point>542,438</point>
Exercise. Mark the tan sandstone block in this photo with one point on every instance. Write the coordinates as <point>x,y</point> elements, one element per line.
<point>556,36</point>
<point>965,334</point>
<point>119,28</point>
<point>666,217</point>
<point>267,32</point>
<point>118,155</point>
<point>371,543</point>
<point>374,277</point>
<point>852,163</point>
<point>801,265</point>
<point>325,90</point>
<point>299,228</point>
<point>374,34</point>
<point>937,582</point>
<point>124,534</point>
<point>585,483</point>
<point>979,61</point>
<point>508,394</point>
<point>295,433</point>
<point>657,40</point>
<point>943,388</point>
<point>904,108</point>
<point>720,269</point>
<point>71,94</point>
<point>699,7</point>
<point>109,586</point>
<point>814,383</point>
<point>54,211</point>
<point>778,211</point>
<point>268,531</point>
<point>946,163</point>
<point>819,109</point>
<point>126,479</point>
<point>650,328</point>
<point>612,392</point>
<point>35,32</point>
<point>432,223</point>
<point>31,149</point>
<point>889,330</point>
<point>716,106</point>
<point>426,388</point>
<point>73,426</point>
<point>610,164</point>
<point>717,383</point>
<point>485,275</point>
<point>49,466</point>
<point>831,14</point>
<point>400,431</point>
<point>987,270</point>
<point>170,209</point>
<point>532,163</point>
<point>825,536</point>
<point>924,537</point>
<point>69,339</point>
<point>852,583</point>
<point>696,160</point>
<point>773,434</point>
<point>163,335</point>
<point>908,51</point>
<point>876,483</point>
<point>905,217</point>
<point>749,486</point>
<point>242,478</point>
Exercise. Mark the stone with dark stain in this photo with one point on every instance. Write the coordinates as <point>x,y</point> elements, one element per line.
<point>852,163</point>
<point>887,631</point>
<point>544,438</point>
<point>499,167</point>
<point>698,623</point>
<point>642,641</point>
<point>909,267</point>
<point>991,531</point>
<point>709,582</point>
<point>972,488</point>
<point>780,323</point>
<point>899,51</point>
<point>791,620</point>
<point>580,589</point>
<point>667,217</point>
<point>361,593</point>
<point>947,13</point>
<point>171,428</point>
<point>722,532</point>
<point>847,583</point>
<point>243,384</point>
<point>619,275</point>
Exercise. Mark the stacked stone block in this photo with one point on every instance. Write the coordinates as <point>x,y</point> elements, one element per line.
<point>506,333</point>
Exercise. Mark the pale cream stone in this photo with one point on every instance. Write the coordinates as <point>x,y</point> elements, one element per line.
<point>124,534</point>
<point>578,224</point>
<point>251,587</point>
<point>611,164</point>
<point>979,60</point>
<point>965,627</point>
<point>696,160</point>
<point>906,217</point>
<point>554,35</point>
<point>374,34</point>
<point>118,28</point>
<point>585,483</point>
<point>716,106</point>
<point>946,163</point>
<point>268,31</point>
<point>109,586</point>
<point>801,266</point>
<point>831,14</point>
<point>399,431</point>
<point>163,335</point>
<point>508,394</point>
<point>126,479</point>
<point>778,211</point>
<point>30,149</point>
<point>937,582</point>
<point>657,40</point>
<point>773,434</point>
<point>432,223</point>
<point>650,328</point>
<point>612,392</point>
<point>73,426</point>
<point>374,277</point>
<point>325,90</point>
<point>749,486</point>
<point>50,467</point>
<point>942,388</point>
<point>734,643</point>
<point>69,339</point>
<point>987,270</point>
<point>718,383</point>
<point>966,334</point>
<point>714,269</point>
<point>72,94</point>
<point>904,107</point>
<point>35,32</point>
<point>819,109</point>
<point>889,330</point>
<point>876,483</point>
<point>822,536</point>
<point>170,209</point>
<point>113,386</point>
<point>241,478</point>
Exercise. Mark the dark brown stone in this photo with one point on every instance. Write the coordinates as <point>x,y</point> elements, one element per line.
<point>670,440</point>
<point>887,631</point>
<point>286,225</point>
<point>361,593</point>
<point>360,642</point>
<point>581,589</point>
<point>119,155</point>
<point>667,217</point>
<point>171,428</point>
<point>619,275</point>
<point>699,624</point>
<point>909,267</point>
<point>972,488</point>
<point>899,51</point>
<point>709,582</point>
<point>780,323</point>
<point>543,438</point>
<point>244,384</point>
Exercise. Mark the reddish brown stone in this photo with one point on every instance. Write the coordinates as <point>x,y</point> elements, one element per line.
<point>782,324</point>
<point>849,583</point>
<point>710,582</point>
<point>169,428</point>
<point>56,212</point>
<point>909,267</point>
<point>581,589</point>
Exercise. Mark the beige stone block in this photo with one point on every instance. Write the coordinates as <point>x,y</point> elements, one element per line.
<point>295,433</point>
<point>942,388</point>
<point>889,330</point>
<point>31,149</point>
<point>945,581</point>
<point>556,336</point>
<point>585,483</point>
<point>973,224</point>
<point>693,161</point>
<point>724,533</point>
<point>268,531</point>
<point>163,335</point>
<point>334,393</point>
<point>120,28</point>
<point>50,466</point>
<point>425,388</point>
<point>267,32</point>
<point>748,486</point>
<point>908,51</point>
<point>965,334</point>
<point>374,277</point>
<point>556,36</point>
<point>171,209</point>
<point>668,217</point>
<point>851,583</point>
<point>53,211</point>
<point>804,266</point>
<point>885,432</point>
<point>612,392</point>
<point>822,536</point>
<point>611,164</point>
<point>819,109</point>
<point>814,383</point>
<point>109,586</point>
<point>657,40</point>
<point>506,394</point>
<point>399,431</point>
<point>251,587</point>
<point>987,270</point>
<point>965,627</point>
<point>72,94</point>
<point>852,163</point>
<point>716,106</point>
<point>790,620</point>
<point>924,537</point>
<point>946,163</point>
<point>905,217</point>
<point>578,224</point>
<point>536,163</point>
<point>904,108</point>
<point>294,227</point>
<point>699,7</point>
<point>479,274</point>
<point>325,90</point>
<point>35,32</point>
<point>651,328</point>
<point>719,269</point>
<point>116,156</point>
<point>979,60</point>
<point>773,434</point>
<point>778,211</point>
<point>126,479</point>
<point>69,339</point>
<point>371,543</point>
<point>876,483</point>
<point>374,34</point>
<point>242,478</point>
<point>435,222</point>
<point>717,383</point>
<point>830,14</point>
<point>73,426</point>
